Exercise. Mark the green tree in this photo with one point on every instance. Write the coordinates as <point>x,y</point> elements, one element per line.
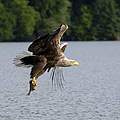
<point>87,20</point>
<point>106,22</point>
<point>7,24</point>
<point>52,13</point>
<point>26,18</point>
<point>81,23</point>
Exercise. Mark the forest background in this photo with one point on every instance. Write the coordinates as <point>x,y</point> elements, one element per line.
<point>25,20</point>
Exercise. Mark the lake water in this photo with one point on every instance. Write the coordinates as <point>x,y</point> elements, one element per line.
<point>92,90</point>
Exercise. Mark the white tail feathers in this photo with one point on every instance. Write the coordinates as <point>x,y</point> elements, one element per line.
<point>17,60</point>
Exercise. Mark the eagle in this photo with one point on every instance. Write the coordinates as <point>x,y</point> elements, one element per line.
<point>46,52</point>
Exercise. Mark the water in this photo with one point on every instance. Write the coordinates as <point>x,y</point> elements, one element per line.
<point>92,90</point>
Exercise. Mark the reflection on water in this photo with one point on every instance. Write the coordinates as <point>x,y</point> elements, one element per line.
<point>92,90</point>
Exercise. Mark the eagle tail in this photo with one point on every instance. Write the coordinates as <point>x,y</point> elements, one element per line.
<point>19,62</point>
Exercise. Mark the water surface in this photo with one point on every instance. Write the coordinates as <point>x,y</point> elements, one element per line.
<point>92,90</point>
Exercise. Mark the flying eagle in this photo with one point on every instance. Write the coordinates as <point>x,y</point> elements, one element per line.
<point>47,53</point>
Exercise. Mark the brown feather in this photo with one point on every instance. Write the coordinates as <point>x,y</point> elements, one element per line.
<point>63,47</point>
<point>48,44</point>
<point>38,67</point>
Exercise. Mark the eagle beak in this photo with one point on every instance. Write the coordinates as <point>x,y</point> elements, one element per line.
<point>76,63</point>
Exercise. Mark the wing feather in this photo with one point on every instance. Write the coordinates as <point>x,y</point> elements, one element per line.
<point>38,67</point>
<point>39,45</point>
<point>63,47</point>
<point>48,44</point>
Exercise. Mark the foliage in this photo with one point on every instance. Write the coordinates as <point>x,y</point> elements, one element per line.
<point>26,18</point>
<point>7,24</point>
<point>82,24</point>
<point>106,21</point>
<point>87,20</point>
<point>52,13</point>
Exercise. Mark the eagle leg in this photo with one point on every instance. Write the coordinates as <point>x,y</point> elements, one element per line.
<point>33,85</point>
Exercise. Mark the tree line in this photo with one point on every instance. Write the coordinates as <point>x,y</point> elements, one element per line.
<point>24,20</point>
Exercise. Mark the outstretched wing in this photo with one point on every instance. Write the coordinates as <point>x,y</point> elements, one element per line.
<point>39,67</point>
<point>39,45</point>
<point>49,43</point>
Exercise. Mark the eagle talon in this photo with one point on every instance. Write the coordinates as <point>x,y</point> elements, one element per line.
<point>33,85</point>
<point>34,82</point>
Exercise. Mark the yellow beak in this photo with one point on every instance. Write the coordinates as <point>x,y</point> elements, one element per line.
<point>76,63</point>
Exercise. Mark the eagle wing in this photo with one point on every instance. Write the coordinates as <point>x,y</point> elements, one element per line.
<point>48,44</point>
<point>39,45</point>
